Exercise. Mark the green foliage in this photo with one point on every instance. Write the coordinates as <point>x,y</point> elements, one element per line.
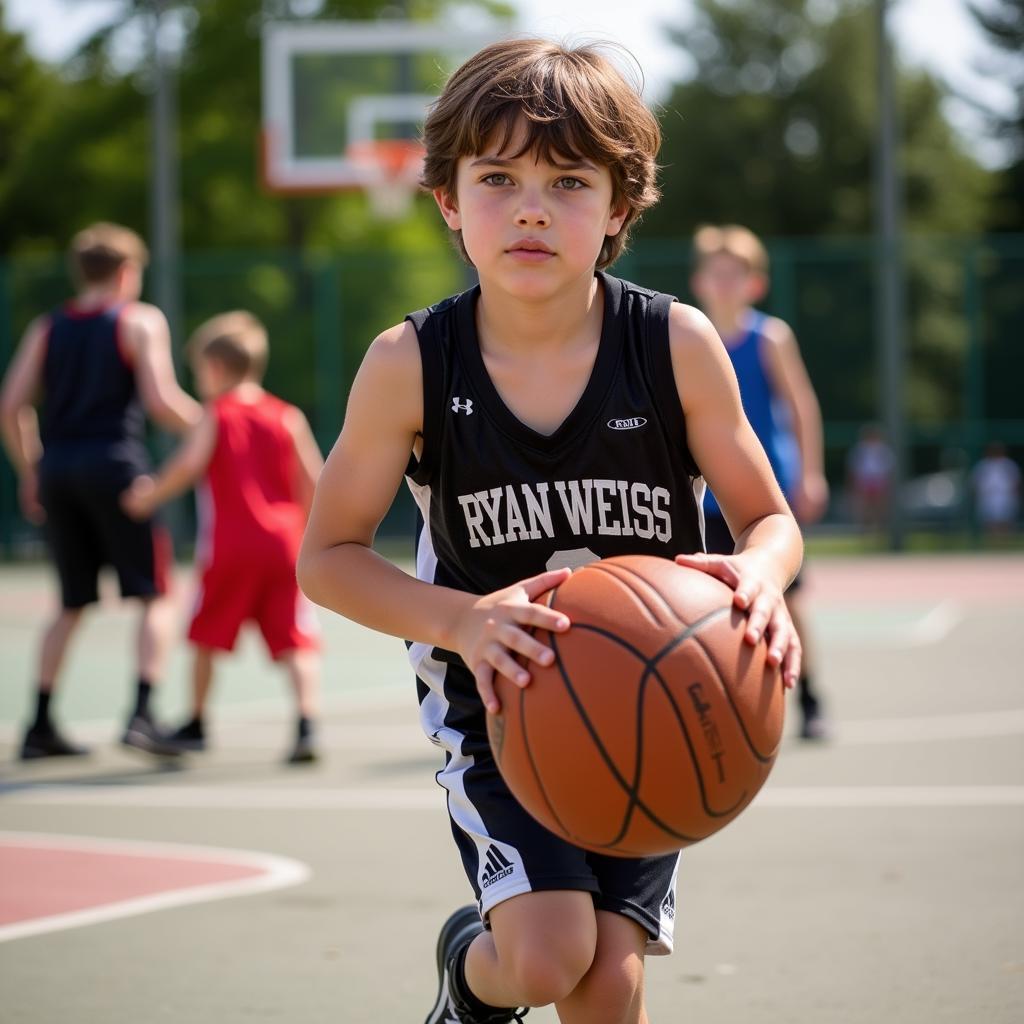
<point>776,130</point>
<point>776,127</point>
<point>1003,23</point>
<point>75,147</point>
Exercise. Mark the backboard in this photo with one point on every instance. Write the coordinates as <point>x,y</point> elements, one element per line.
<point>332,89</point>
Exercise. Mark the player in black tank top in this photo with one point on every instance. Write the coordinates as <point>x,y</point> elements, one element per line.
<point>91,409</point>
<point>97,362</point>
<point>470,401</point>
<point>615,478</point>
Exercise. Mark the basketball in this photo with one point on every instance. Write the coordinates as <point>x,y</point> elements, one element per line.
<point>655,725</point>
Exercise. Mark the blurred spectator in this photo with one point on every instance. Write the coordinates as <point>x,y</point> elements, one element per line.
<point>869,468</point>
<point>996,483</point>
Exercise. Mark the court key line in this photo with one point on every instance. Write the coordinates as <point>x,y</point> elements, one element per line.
<point>252,798</point>
<point>277,873</point>
<point>936,625</point>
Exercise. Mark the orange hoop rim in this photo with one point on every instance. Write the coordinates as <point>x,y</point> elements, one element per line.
<point>393,158</point>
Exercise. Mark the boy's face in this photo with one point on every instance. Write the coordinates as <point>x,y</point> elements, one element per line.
<point>724,282</point>
<point>530,226</point>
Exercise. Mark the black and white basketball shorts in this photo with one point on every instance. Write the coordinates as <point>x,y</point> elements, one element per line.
<point>505,851</point>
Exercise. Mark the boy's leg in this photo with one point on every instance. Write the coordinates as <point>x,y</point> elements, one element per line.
<point>42,739</point>
<point>192,734</point>
<point>153,639</point>
<point>54,645</point>
<point>540,946</point>
<point>292,633</point>
<point>76,552</point>
<point>202,680</point>
<point>303,667</point>
<point>612,991</point>
<point>813,723</point>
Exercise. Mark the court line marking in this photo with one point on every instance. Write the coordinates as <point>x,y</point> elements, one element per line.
<point>279,873</point>
<point>928,629</point>
<point>281,798</point>
<point>936,625</point>
<point>259,733</point>
<point>969,725</point>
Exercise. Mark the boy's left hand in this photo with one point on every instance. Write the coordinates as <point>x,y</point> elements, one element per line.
<point>760,597</point>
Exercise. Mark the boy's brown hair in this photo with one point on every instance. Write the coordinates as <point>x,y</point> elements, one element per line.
<point>236,340</point>
<point>573,102</point>
<point>97,252</point>
<point>734,240</point>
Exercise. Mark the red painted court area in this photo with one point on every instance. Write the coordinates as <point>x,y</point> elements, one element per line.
<point>51,882</point>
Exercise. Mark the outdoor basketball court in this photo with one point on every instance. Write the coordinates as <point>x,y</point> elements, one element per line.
<point>879,878</point>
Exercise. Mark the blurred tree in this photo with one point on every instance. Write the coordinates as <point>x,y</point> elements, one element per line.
<point>78,150</point>
<point>1003,22</point>
<point>775,129</point>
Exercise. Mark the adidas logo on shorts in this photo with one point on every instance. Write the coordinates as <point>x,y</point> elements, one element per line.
<point>498,867</point>
<point>668,906</point>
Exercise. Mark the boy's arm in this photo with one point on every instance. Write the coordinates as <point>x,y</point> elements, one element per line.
<point>768,544</point>
<point>307,452</point>
<point>148,341</point>
<point>791,382</point>
<point>18,423</point>
<point>181,470</point>
<point>337,566</point>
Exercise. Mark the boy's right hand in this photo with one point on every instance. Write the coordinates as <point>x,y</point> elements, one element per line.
<point>494,629</point>
<point>138,501</point>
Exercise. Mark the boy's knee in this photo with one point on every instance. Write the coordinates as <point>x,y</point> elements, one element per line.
<point>547,972</point>
<point>612,989</point>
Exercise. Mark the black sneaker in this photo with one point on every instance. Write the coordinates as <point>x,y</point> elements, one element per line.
<point>47,742</point>
<point>189,737</point>
<point>458,931</point>
<point>304,751</point>
<point>813,723</point>
<point>143,734</point>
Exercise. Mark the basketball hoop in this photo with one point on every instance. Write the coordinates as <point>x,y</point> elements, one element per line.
<point>392,168</point>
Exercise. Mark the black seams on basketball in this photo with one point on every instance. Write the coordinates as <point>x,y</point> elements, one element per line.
<point>657,723</point>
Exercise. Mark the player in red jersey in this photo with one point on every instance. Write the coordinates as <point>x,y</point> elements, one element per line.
<point>258,462</point>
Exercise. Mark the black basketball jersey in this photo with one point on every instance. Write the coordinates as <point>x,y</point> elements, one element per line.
<point>91,408</point>
<point>500,501</point>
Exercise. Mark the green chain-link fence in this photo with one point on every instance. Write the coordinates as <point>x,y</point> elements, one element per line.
<point>964,339</point>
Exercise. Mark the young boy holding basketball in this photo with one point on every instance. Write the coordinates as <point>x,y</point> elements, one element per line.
<point>730,276</point>
<point>551,416</point>
<point>97,365</point>
<point>259,463</point>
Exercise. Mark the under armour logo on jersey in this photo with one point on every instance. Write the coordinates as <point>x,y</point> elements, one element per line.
<point>463,405</point>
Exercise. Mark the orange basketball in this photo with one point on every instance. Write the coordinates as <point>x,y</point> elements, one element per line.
<point>655,726</point>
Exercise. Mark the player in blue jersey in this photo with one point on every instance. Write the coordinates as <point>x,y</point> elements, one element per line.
<point>730,277</point>
<point>98,364</point>
<point>551,416</point>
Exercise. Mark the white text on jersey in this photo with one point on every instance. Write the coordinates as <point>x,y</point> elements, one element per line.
<point>616,508</point>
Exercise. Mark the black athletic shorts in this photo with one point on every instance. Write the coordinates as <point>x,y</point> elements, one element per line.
<point>505,851</point>
<point>86,530</point>
<point>718,541</point>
